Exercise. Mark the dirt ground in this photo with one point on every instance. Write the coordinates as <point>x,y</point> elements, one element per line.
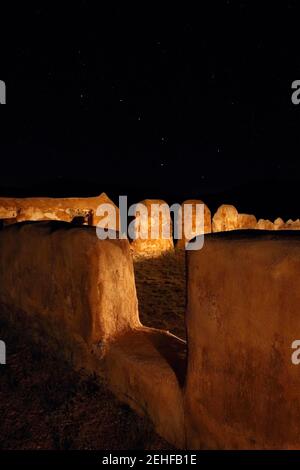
<point>161,290</point>
<point>44,404</point>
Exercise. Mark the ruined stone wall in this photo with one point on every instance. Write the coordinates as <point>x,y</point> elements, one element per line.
<point>242,389</point>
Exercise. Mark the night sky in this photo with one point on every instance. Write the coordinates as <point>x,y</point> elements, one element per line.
<point>153,101</point>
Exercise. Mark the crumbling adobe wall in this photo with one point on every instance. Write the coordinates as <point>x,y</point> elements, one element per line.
<point>279,224</point>
<point>242,389</point>
<point>64,209</point>
<point>8,211</point>
<point>246,221</point>
<point>191,221</point>
<point>227,218</point>
<point>263,224</point>
<point>145,244</point>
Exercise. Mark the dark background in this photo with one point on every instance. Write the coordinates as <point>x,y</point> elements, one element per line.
<point>153,100</point>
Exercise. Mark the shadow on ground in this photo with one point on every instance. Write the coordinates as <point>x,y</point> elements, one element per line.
<point>46,405</point>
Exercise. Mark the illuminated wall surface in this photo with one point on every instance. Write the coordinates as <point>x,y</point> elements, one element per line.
<point>242,318</point>
<point>240,387</point>
<point>84,211</point>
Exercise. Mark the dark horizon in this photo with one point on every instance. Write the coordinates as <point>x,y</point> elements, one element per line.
<point>166,103</point>
<point>266,199</point>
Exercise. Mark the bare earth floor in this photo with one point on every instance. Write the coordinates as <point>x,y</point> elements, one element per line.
<point>46,405</point>
<point>161,290</point>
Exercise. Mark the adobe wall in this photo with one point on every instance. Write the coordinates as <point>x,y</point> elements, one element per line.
<point>191,221</point>
<point>8,212</point>
<point>65,277</point>
<point>242,389</point>
<point>63,209</point>
<point>146,245</point>
<point>77,293</point>
<point>227,218</point>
